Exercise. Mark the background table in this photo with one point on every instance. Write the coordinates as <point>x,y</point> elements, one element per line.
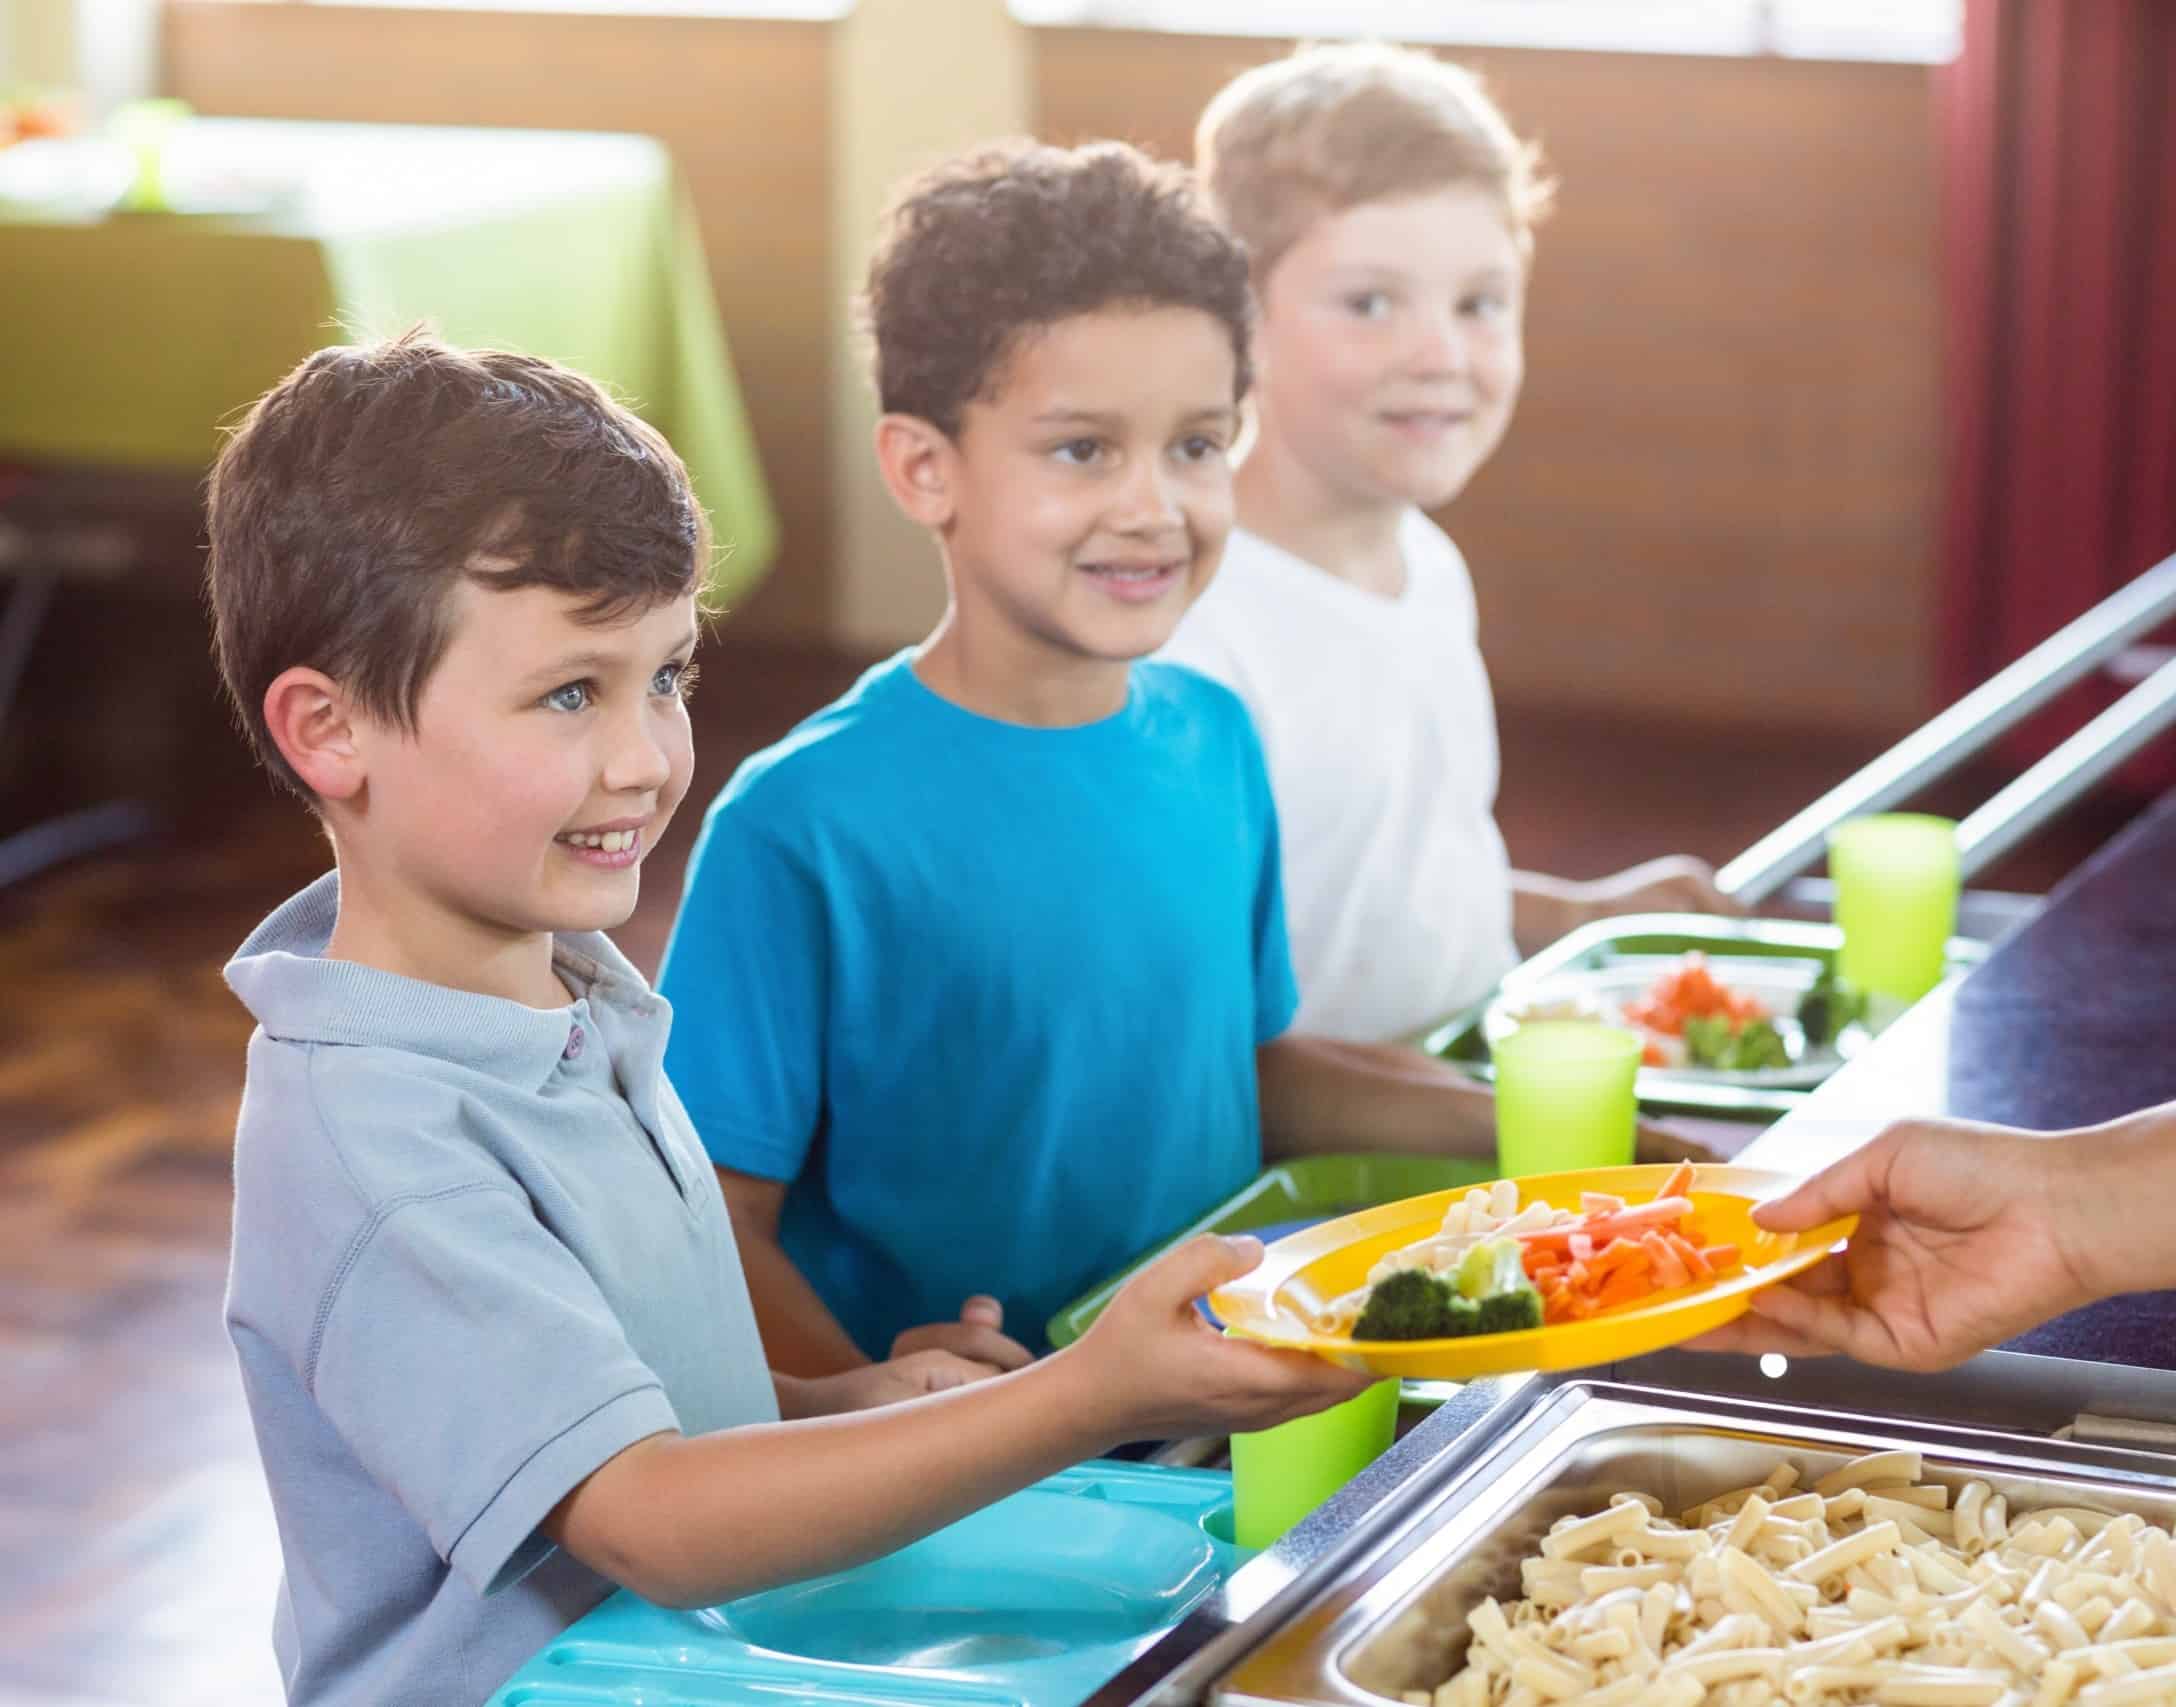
<point>127,339</point>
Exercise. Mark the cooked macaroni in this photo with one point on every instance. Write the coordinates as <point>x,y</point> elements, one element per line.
<point>1871,1589</point>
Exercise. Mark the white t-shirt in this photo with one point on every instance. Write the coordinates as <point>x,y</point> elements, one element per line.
<point>1376,718</point>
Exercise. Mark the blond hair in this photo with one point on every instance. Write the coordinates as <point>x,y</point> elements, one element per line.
<point>1329,127</point>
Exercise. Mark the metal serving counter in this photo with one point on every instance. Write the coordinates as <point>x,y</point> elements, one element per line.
<point>2072,1020</point>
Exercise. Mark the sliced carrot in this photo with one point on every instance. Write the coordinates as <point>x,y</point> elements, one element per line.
<point>1679,1184</point>
<point>1591,1202</point>
<point>1720,1257</point>
<point>1622,1288</point>
<point>1663,1212</point>
<point>1670,1269</point>
<point>1689,1254</point>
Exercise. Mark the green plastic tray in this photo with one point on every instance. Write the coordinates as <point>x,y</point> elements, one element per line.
<point>1594,946</point>
<point>1311,1188</point>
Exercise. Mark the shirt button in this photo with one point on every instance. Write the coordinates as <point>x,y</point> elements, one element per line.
<point>573,1049</point>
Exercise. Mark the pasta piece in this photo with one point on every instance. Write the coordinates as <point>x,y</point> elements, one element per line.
<point>2021,1652</point>
<point>1873,1470</point>
<point>2158,1684</point>
<point>1934,1686</point>
<point>1604,1527</point>
<point>1839,1556</point>
<point>1922,1518</point>
<point>1748,1586</point>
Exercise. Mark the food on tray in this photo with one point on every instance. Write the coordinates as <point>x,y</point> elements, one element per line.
<point>1827,1008</point>
<point>1871,1587</point>
<point>1690,1015</point>
<point>1495,1267</point>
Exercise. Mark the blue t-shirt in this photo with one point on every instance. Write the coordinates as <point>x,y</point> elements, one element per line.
<point>987,995</point>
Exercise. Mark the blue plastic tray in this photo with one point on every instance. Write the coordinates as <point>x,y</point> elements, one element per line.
<point>1031,1602</point>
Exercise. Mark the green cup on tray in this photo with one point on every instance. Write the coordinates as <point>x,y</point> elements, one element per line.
<point>1565,1097</point>
<point>1896,878</point>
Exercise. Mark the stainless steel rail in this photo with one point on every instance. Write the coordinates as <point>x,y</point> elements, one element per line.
<point>2068,772</point>
<point>1967,727</point>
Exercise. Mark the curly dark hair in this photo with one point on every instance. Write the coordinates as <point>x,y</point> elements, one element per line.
<point>364,485</point>
<point>1016,236</point>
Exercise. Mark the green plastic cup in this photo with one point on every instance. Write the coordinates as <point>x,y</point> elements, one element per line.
<point>1896,901</point>
<point>1564,1097</point>
<point>1281,1474</point>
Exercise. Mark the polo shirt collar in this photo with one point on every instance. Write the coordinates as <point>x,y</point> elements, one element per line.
<point>283,978</point>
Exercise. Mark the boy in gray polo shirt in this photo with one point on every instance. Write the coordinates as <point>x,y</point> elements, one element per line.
<point>492,1326</point>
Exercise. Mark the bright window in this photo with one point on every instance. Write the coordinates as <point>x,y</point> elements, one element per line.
<point>1911,30</point>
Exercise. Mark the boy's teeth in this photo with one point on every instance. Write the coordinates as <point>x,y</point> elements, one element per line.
<point>608,841</point>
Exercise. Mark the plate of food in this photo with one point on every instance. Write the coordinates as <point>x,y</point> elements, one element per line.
<point>1554,1271</point>
<point>1769,1022</point>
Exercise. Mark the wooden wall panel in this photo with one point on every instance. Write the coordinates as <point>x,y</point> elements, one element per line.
<point>1717,498</point>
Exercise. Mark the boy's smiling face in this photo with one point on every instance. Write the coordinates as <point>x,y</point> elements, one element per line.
<point>547,758</point>
<point>1086,501</point>
<point>1390,346</point>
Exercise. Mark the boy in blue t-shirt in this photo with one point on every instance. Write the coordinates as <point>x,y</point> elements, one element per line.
<point>981,973</point>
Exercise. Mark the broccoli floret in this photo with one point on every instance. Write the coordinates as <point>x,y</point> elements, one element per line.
<point>1710,1042</point>
<point>1759,1045</point>
<point>1510,1311</point>
<point>1496,1266</point>
<point>1707,1040</point>
<point>1828,1007</point>
<point>1413,1304</point>
<point>1492,1276</point>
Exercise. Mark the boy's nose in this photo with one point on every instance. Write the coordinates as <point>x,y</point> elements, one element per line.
<point>1440,347</point>
<point>639,759</point>
<point>1147,502</point>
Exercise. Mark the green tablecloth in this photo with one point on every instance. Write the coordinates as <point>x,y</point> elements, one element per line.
<point>127,339</point>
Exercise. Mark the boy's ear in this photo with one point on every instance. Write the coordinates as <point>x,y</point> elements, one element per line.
<point>313,726</point>
<point>917,462</point>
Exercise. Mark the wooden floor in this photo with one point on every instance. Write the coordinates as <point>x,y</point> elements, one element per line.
<point>137,1558</point>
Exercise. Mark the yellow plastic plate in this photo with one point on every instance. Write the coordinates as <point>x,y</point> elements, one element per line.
<point>1299,1275</point>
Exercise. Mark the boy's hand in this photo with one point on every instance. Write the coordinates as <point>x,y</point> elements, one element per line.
<point>1677,883</point>
<point>975,1336</point>
<point>1166,1374</point>
<point>911,1377</point>
<point>1968,1235</point>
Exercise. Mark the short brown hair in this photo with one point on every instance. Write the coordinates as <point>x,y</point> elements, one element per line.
<point>1003,241</point>
<point>359,489</point>
<point>1329,127</point>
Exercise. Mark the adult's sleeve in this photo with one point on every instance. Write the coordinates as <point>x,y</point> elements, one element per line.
<point>475,1370</point>
<point>746,972</point>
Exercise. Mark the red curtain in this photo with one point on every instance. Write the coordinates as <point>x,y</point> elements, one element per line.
<point>2059,296</point>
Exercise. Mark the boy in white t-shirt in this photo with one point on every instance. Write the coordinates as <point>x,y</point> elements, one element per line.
<point>1387,209</point>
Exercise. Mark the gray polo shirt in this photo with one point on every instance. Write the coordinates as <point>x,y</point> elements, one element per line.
<point>477,1251</point>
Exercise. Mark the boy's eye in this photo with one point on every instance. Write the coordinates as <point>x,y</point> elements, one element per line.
<point>1485,305</point>
<point>1200,447</point>
<point>1369,304</point>
<point>674,681</point>
<point>1080,451</point>
<point>569,696</point>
